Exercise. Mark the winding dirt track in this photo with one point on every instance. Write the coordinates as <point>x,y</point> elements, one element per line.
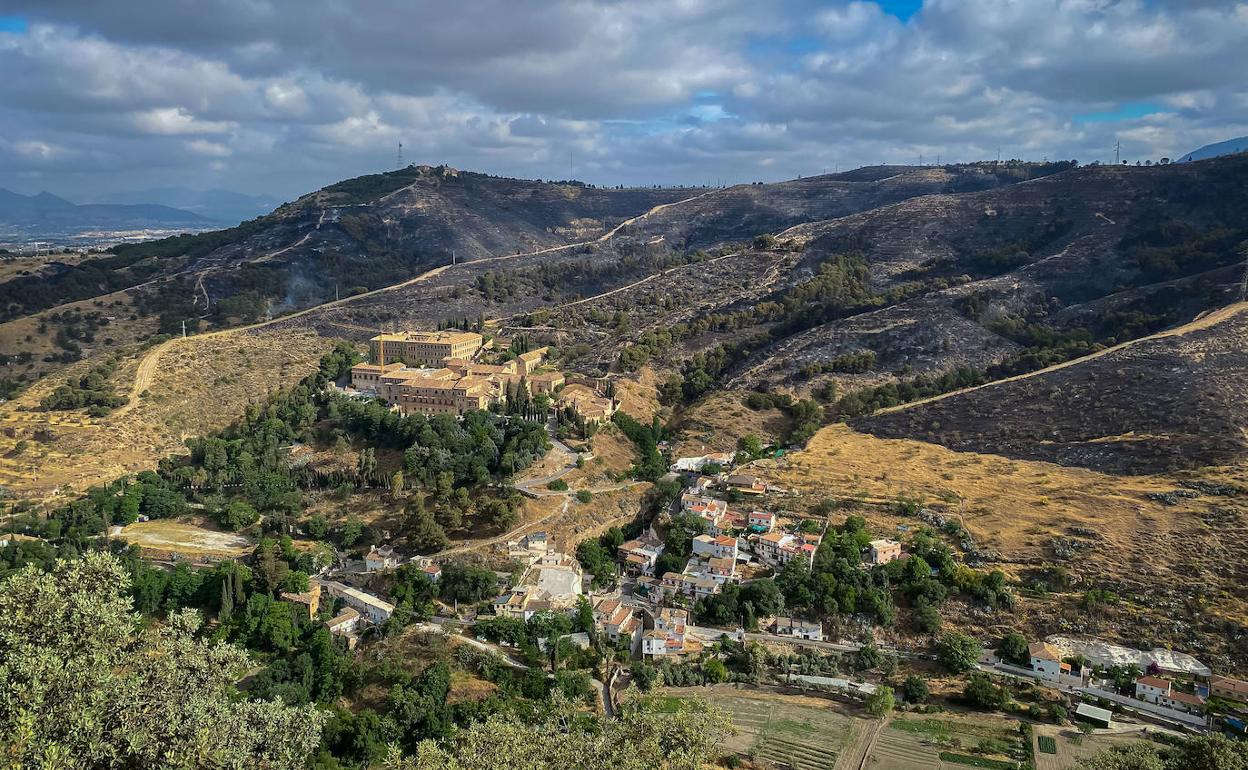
<point>1201,322</point>
<point>150,363</point>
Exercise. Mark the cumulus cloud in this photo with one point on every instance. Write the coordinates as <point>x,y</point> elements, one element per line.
<point>283,96</point>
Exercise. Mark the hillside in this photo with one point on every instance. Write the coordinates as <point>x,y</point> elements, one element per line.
<point>1228,147</point>
<point>1168,402</point>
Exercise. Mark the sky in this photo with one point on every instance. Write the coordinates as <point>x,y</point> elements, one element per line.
<point>282,97</point>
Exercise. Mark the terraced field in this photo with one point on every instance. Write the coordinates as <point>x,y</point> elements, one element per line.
<point>916,744</point>
<point>801,733</point>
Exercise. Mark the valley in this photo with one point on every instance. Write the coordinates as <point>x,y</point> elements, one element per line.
<point>1004,357</point>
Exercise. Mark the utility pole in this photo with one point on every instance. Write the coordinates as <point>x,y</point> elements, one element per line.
<point>183,328</point>
<point>452,256</point>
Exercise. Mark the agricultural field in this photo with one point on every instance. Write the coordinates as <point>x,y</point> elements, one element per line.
<point>793,731</point>
<point>915,743</point>
<point>1072,746</point>
<point>186,537</point>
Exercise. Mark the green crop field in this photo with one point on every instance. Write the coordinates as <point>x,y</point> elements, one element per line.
<point>946,743</point>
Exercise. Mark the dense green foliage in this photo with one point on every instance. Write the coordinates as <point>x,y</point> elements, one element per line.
<point>91,390</point>
<point>1200,753</point>
<point>643,736</point>
<point>650,464</point>
<point>84,684</point>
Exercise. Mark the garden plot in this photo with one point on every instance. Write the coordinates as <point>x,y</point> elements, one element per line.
<point>1073,747</point>
<point>918,743</point>
<point>800,733</point>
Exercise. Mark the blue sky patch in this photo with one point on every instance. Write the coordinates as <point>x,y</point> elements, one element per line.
<point>14,24</point>
<point>902,9</point>
<point>1126,111</point>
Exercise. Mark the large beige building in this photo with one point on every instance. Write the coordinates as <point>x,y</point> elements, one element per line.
<point>424,348</point>
<point>438,375</point>
<point>424,391</point>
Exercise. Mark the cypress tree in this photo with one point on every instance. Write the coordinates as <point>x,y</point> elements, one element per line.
<point>227,601</point>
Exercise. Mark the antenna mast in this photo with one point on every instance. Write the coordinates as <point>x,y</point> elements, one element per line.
<point>398,159</point>
<point>1117,151</point>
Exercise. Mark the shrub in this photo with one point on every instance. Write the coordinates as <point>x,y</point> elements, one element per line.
<point>558,485</point>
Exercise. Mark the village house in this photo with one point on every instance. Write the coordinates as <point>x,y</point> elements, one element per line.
<point>798,628</point>
<point>1046,660</point>
<point>432,571</point>
<point>1228,688</point>
<point>707,508</point>
<point>638,556</point>
<point>344,624</point>
<point>1161,692</point>
<point>696,464</point>
<point>780,548</point>
<point>520,604</point>
<point>723,546</point>
<point>701,484</point>
<point>618,621</point>
<point>761,521</point>
<point>884,551</point>
<point>380,558</point>
<point>746,484</point>
<point>669,635</point>
<point>722,569</point>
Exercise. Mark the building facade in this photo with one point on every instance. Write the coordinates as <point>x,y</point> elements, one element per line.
<point>424,348</point>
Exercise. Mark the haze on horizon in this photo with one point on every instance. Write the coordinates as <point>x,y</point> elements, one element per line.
<point>279,97</point>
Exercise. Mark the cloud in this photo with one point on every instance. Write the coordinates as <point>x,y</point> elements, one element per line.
<point>283,96</point>
<point>171,121</point>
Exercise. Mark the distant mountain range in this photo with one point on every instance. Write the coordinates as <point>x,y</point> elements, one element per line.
<point>224,206</point>
<point>1229,147</point>
<point>46,214</point>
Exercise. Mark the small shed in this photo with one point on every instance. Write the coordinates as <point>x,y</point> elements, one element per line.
<point>1094,715</point>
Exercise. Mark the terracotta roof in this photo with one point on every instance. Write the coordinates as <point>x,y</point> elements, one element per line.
<point>1183,697</point>
<point>1237,686</point>
<point>1152,681</point>
<point>1044,651</point>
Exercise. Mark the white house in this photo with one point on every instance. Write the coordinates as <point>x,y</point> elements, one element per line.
<point>1161,691</point>
<point>381,558</point>
<point>1046,660</point>
<point>1151,688</point>
<point>763,521</point>
<point>796,627</point>
<point>669,635</point>
<point>722,547</point>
